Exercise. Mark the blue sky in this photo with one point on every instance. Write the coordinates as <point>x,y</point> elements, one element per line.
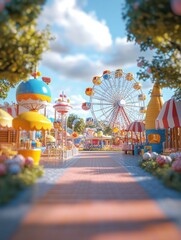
<point>90,37</point>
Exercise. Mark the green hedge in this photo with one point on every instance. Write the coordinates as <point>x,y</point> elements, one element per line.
<point>168,177</point>
<point>11,185</point>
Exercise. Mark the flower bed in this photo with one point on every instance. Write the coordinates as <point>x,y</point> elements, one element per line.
<point>16,173</point>
<point>11,185</point>
<point>166,168</point>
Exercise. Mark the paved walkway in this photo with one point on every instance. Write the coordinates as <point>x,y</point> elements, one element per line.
<point>101,196</point>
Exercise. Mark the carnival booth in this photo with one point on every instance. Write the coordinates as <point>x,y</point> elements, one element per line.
<point>31,121</point>
<point>137,137</point>
<point>169,118</point>
<point>7,134</point>
<point>96,140</point>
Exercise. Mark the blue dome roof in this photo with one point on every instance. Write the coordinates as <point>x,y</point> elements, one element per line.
<point>33,86</point>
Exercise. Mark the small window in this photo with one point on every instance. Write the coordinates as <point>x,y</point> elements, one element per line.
<point>154,138</point>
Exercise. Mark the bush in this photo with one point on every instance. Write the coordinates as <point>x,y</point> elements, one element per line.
<point>169,177</point>
<point>11,185</point>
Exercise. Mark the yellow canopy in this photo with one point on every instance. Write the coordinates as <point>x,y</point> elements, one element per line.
<point>5,119</point>
<point>30,121</point>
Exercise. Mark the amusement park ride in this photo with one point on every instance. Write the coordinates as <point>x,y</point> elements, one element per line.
<point>116,99</point>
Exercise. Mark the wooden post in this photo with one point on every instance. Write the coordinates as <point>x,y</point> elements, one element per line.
<point>17,109</point>
<point>179,145</point>
<point>18,138</point>
<point>176,138</point>
<point>171,138</point>
<point>9,136</point>
<point>45,111</point>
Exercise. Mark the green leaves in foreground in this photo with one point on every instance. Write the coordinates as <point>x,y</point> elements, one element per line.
<point>11,185</point>
<point>169,177</point>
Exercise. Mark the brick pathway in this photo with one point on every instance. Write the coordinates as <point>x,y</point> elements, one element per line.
<point>96,199</point>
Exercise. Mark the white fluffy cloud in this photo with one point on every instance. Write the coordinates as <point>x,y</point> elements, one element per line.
<point>83,47</point>
<point>76,26</point>
<point>75,67</point>
<point>124,53</point>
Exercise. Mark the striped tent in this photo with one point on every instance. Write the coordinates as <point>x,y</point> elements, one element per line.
<point>170,115</point>
<point>136,126</point>
<point>169,118</point>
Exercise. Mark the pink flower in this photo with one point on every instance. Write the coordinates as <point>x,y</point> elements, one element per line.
<point>161,160</point>
<point>176,166</point>
<point>3,169</point>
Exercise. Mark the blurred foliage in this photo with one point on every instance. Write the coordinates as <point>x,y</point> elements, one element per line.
<point>107,131</point>
<point>154,26</point>
<point>4,88</point>
<point>11,185</point>
<point>21,44</point>
<point>177,94</point>
<point>70,120</point>
<point>165,173</point>
<point>79,125</point>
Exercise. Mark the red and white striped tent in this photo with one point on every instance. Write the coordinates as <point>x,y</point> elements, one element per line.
<point>170,115</point>
<point>169,118</point>
<point>136,126</point>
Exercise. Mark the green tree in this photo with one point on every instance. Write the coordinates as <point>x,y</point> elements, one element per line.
<point>4,88</point>
<point>80,126</point>
<point>70,120</point>
<point>153,25</point>
<point>21,43</point>
<point>107,131</point>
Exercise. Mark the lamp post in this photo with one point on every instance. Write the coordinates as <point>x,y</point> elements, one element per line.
<point>62,106</point>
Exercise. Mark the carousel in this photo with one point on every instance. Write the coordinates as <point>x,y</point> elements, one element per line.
<point>33,95</point>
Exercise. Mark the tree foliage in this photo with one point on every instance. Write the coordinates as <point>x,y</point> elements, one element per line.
<point>79,125</point>
<point>107,131</point>
<point>21,44</point>
<point>153,25</point>
<point>4,88</point>
<point>70,120</point>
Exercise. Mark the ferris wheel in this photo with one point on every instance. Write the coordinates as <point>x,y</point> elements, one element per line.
<point>116,99</point>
